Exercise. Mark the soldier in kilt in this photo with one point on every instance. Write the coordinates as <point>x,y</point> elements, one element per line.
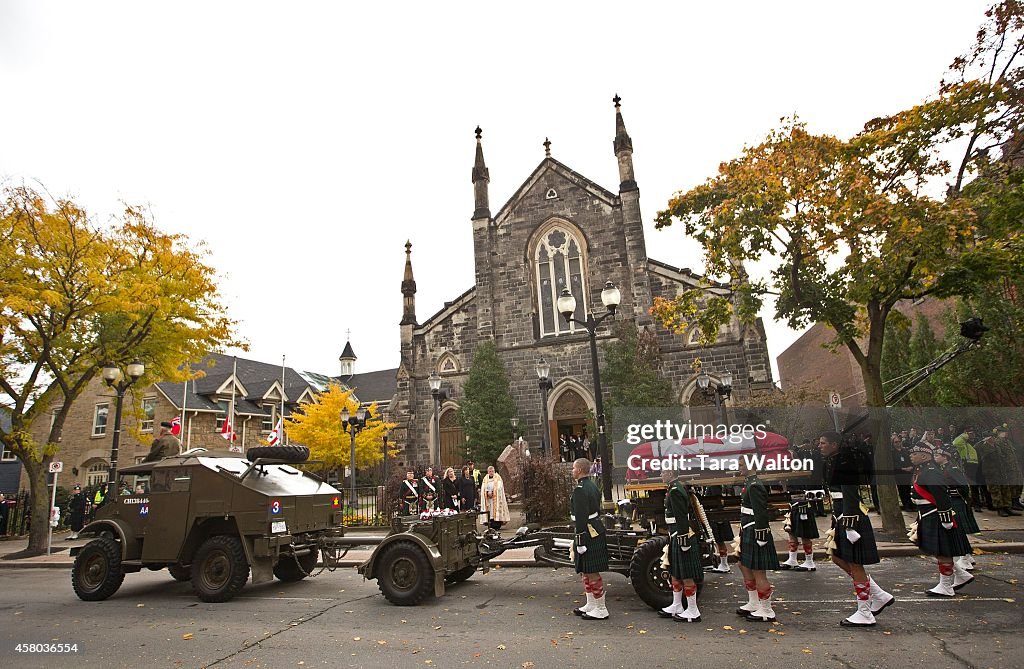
<point>851,541</point>
<point>757,550</point>
<point>722,531</point>
<point>959,489</point>
<point>429,490</point>
<point>409,495</point>
<point>683,552</point>
<point>590,545</point>
<point>802,528</point>
<point>937,531</point>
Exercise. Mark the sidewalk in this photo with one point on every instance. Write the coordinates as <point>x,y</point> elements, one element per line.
<point>998,535</point>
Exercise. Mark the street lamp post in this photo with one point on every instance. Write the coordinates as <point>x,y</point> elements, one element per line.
<point>353,424</point>
<point>721,392</point>
<point>113,377</point>
<point>439,395</point>
<point>544,381</point>
<point>610,297</point>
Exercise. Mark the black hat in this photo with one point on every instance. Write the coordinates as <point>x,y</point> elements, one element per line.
<point>166,423</point>
<point>77,487</point>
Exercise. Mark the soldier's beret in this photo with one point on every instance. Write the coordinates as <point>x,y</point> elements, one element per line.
<point>166,423</point>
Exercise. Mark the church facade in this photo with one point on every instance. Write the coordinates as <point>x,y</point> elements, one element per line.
<point>559,230</point>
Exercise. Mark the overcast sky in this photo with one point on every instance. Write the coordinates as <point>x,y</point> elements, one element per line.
<point>305,142</point>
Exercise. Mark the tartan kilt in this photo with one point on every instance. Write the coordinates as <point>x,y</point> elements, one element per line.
<point>865,551</point>
<point>595,559</point>
<point>964,515</point>
<point>934,539</point>
<point>685,564</point>
<point>753,556</point>
<point>803,529</point>
<point>723,531</point>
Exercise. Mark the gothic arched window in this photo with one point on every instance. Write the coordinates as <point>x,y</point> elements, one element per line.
<point>560,262</point>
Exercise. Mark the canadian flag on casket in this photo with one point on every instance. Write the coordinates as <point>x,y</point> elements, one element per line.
<point>770,452</point>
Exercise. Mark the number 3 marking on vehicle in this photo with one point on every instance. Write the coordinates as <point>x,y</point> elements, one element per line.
<point>275,507</point>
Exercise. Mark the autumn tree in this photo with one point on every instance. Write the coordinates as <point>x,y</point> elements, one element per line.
<point>74,295</point>
<point>487,407</point>
<point>854,226</point>
<point>318,425</point>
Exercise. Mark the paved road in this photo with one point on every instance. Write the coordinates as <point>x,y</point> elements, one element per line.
<point>511,618</point>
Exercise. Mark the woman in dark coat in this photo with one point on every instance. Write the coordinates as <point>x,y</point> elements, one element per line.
<point>467,489</point>
<point>449,490</point>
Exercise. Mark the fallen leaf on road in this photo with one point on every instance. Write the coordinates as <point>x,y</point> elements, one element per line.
<point>186,636</point>
<point>554,642</point>
<point>357,638</point>
<point>727,627</point>
<point>476,654</point>
<point>807,650</point>
<point>301,663</point>
<point>1010,599</point>
<point>437,627</point>
<point>887,633</point>
<point>381,642</point>
<point>527,665</point>
<point>641,631</point>
<point>743,631</point>
<point>501,646</point>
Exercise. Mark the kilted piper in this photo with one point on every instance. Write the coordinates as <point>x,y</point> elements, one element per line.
<point>938,533</point>
<point>722,531</point>
<point>429,490</point>
<point>409,495</point>
<point>851,541</point>
<point>802,528</point>
<point>757,550</point>
<point>590,546</point>
<point>959,489</point>
<point>683,552</point>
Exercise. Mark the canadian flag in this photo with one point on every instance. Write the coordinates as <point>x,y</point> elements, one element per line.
<point>176,426</point>
<point>274,438</point>
<point>227,432</point>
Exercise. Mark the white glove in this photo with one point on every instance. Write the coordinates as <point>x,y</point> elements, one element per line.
<point>947,526</point>
<point>852,535</point>
<point>580,550</point>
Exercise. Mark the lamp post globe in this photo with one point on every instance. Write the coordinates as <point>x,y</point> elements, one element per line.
<point>544,382</point>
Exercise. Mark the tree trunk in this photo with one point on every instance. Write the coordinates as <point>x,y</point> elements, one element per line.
<point>871,373</point>
<point>38,476</point>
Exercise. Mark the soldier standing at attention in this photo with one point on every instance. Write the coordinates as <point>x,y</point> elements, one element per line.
<point>428,490</point>
<point>852,539</point>
<point>757,549</point>
<point>409,495</point>
<point>937,531</point>
<point>590,545</point>
<point>683,552</point>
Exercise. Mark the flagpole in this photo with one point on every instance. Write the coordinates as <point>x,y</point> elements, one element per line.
<point>184,397</point>
<point>280,419</point>
<point>231,428</point>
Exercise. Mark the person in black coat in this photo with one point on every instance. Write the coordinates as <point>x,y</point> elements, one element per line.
<point>76,507</point>
<point>450,490</point>
<point>467,489</point>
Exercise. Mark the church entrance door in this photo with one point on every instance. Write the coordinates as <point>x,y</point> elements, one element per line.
<point>453,442</point>
<point>569,420</point>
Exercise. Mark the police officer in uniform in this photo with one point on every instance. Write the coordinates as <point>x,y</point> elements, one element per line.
<point>76,506</point>
<point>429,490</point>
<point>851,541</point>
<point>938,533</point>
<point>590,545</point>
<point>683,552</point>
<point>409,495</point>
<point>757,549</point>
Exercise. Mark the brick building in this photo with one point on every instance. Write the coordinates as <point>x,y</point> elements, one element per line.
<point>203,405</point>
<point>559,229</point>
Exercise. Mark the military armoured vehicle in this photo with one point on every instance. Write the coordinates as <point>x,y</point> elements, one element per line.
<point>212,518</point>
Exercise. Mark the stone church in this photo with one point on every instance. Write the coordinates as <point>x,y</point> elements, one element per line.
<point>558,230</point>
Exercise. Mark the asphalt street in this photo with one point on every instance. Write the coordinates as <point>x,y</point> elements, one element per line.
<point>514,617</point>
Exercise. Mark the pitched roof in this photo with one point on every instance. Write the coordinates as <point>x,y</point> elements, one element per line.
<point>569,173</point>
<point>379,386</point>
<point>257,377</point>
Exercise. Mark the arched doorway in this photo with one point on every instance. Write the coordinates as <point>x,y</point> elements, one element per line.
<point>453,441</point>
<point>570,415</point>
<point>701,409</point>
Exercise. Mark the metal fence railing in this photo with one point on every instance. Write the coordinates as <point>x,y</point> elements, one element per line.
<point>19,513</point>
<point>370,510</point>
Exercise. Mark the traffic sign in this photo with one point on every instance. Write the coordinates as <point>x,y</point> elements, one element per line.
<point>56,467</point>
<point>834,400</point>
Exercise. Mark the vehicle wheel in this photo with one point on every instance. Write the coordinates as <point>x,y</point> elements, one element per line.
<point>219,569</point>
<point>293,454</point>
<point>460,575</point>
<point>97,572</point>
<point>404,574</point>
<point>180,572</point>
<point>650,580</point>
<point>287,569</point>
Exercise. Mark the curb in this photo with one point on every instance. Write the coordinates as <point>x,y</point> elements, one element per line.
<point>883,551</point>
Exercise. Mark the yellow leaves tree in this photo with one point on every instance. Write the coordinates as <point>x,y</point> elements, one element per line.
<point>319,427</point>
<point>74,295</point>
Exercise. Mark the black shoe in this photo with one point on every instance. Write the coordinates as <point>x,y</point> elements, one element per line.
<point>1017,505</point>
<point>1005,513</point>
<point>1011,512</point>
<point>579,611</point>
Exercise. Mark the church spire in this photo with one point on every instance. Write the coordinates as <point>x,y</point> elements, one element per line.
<point>623,150</point>
<point>348,359</point>
<point>481,177</point>
<point>408,289</point>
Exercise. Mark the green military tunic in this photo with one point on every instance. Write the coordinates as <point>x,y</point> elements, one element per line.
<point>590,531</point>
<point>684,550</point>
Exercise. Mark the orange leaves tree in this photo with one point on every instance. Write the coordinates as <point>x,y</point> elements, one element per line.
<point>74,295</point>
<point>318,426</point>
<point>852,226</point>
